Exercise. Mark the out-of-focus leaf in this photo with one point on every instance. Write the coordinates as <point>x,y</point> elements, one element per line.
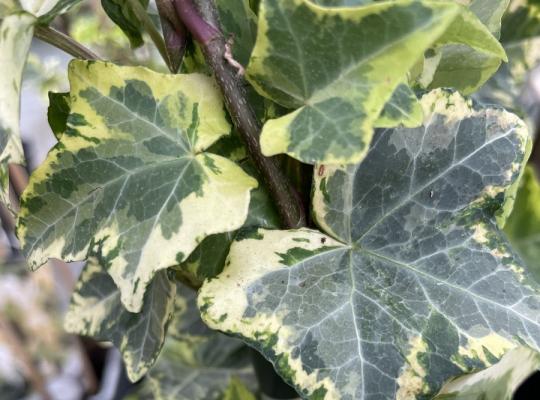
<point>523,225</point>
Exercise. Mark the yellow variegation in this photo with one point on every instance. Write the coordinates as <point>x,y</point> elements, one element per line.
<point>337,67</point>
<point>413,282</point>
<point>498,382</point>
<point>130,178</point>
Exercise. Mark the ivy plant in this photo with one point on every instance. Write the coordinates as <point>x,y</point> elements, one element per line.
<point>339,187</point>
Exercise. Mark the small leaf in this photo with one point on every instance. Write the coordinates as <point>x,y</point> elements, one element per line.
<point>96,311</point>
<point>197,363</point>
<point>131,177</point>
<point>122,14</point>
<point>464,68</point>
<point>419,284</point>
<point>58,112</point>
<point>523,226</point>
<point>15,37</point>
<point>331,66</point>
<point>498,382</point>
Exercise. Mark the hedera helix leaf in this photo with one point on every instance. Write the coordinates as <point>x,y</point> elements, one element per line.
<point>498,382</point>
<point>523,226</point>
<point>17,20</point>
<point>131,177</point>
<point>332,66</point>
<point>58,112</point>
<point>403,108</point>
<point>197,363</point>
<point>15,37</point>
<point>122,14</point>
<point>419,284</point>
<point>465,68</point>
<point>208,259</point>
<point>96,311</point>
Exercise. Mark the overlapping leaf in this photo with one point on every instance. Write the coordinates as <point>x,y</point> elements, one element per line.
<point>338,67</point>
<point>419,284</point>
<point>15,36</point>
<point>465,68</point>
<point>498,382</point>
<point>96,311</point>
<point>130,176</point>
<point>208,259</point>
<point>507,86</point>
<point>197,363</point>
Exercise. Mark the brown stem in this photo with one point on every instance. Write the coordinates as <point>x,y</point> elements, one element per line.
<point>64,42</point>
<point>232,86</point>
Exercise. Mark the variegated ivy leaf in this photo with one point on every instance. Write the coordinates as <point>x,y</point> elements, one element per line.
<point>523,226</point>
<point>131,177</point>
<point>17,19</point>
<point>208,259</point>
<point>464,68</point>
<point>498,382</point>
<point>196,362</point>
<point>15,36</point>
<point>337,67</point>
<point>419,284</point>
<point>403,108</point>
<point>96,311</point>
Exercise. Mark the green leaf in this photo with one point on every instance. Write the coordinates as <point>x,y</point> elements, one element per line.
<point>498,382</point>
<point>419,284</point>
<point>58,112</point>
<point>332,66</point>
<point>239,24</point>
<point>465,68</point>
<point>122,14</point>
<point>131,177</point>
<point>237,391</point>
<point>96,311</point>
<point>523,226</point>
<point>522,21</point>
<point>15,37</point>
<point>197,363</point>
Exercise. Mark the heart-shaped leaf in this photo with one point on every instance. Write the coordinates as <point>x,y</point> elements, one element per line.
<point>337,67</point>
<point>419,284</point>
<point>130,176</point>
